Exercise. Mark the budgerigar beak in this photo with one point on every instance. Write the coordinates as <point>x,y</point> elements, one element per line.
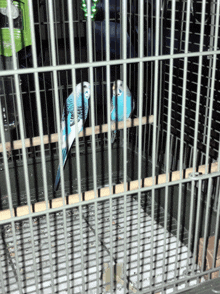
<point>113,87</point>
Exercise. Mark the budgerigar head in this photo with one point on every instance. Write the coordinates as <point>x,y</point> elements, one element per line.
<point>85,86</point>
<point>120,89</point>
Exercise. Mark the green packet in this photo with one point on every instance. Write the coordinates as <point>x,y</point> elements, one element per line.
<point>21,21</point>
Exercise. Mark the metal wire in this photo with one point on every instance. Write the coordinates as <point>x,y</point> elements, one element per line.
<point>124,55</point>
<point>140,92</point>
<point>156,68</point>
<point>168,132</point>
<point>59,143</point>
<point>110,62</point>
<point>109,138</point>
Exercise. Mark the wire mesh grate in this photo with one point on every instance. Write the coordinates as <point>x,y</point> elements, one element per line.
<point>75,259</point>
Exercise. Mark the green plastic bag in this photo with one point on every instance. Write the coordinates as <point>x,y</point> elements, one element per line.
<point>22,33</point>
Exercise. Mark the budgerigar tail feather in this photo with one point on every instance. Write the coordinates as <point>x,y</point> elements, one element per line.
<point>57,181</point>
<point>113,137</point>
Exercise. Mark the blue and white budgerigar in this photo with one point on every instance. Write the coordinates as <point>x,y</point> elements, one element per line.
<point>117,108</point>
<point>68,121</point>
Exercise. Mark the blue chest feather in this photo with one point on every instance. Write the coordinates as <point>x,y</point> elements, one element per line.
<point>82,106</point>
<point>118,111</point>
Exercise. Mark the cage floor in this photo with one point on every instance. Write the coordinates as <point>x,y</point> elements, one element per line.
<point>161,253</point>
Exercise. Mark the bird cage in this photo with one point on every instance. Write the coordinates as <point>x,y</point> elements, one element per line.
<point>137,206</point>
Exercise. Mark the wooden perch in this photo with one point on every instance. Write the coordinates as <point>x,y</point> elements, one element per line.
<point>90,195</point>
<point>88,132</point>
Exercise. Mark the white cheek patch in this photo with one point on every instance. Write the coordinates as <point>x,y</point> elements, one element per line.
<point>87,95</point>
<point>118,93</point>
